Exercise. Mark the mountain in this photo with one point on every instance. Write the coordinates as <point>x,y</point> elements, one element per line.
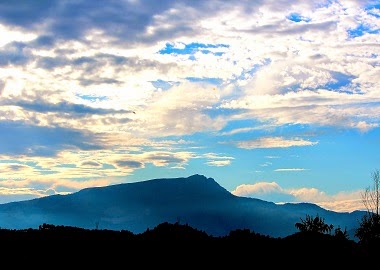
<point>196,200</point>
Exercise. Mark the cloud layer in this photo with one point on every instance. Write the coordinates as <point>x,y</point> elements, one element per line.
<point>91,94</point>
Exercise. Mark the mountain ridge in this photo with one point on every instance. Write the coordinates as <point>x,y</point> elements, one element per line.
<point>195,200</point>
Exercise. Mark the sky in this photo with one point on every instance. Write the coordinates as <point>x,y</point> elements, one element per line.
<point>276,100</point>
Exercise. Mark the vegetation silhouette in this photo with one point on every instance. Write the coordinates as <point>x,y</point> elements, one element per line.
<point>317,224</point>
<point>368,231</point>
<point>306,243</point>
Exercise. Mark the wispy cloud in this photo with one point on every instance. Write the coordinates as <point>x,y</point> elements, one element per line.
<point>219,163</point>
<point>217,160</point>
<point>274,142</point>
<point>290,170</point>
<point>270,157</point>
<point>245,130</point>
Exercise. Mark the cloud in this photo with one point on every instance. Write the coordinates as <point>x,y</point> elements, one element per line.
<point>130,164</point>
<point>166,158</point>
<point>182,110</point>
<point>261,187</point>
<point>14,54</point>
<point>95,167</point>
<point>266,164</point>
<point>274,142</point>
<point>290,170</point>
<point>14,171</point>
<point>245,130</point>
<point>281,28</point>
<point>19,194</point>
<point>63,107</point>
<point>91,68</point>
<point>217,160</point>
<point>85,88</point>
<point>364,126</point>
<point>271,191</point>
<point>218,163</point>
<point>21,139</point>
<point>90,164</point>
<point>144,23</point>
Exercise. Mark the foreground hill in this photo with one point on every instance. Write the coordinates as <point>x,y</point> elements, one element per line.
<point>196,200</point>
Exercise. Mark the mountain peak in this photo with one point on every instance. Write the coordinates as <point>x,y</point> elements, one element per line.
<point>194,176</point>
<point>200,177</point>
<point>193,185</point>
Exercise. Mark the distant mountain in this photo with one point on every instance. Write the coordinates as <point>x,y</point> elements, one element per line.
<point>196,200</point>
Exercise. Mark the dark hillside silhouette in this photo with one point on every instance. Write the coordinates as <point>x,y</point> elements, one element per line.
<point>169,241</point>
<point>197,201</point>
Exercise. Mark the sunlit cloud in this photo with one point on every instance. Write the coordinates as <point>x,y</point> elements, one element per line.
<point>217,160</point>
<point>261,187</point>
<point>271,191</point>
<point>274,142</point>
<point>219,163</point>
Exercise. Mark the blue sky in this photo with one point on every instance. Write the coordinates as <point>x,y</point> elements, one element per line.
<point>278,100</point>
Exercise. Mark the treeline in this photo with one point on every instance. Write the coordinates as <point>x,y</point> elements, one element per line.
<point>305,243</point>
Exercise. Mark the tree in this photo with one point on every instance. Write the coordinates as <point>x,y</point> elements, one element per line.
<point>341,234</point>
<point>311,224</point>
<point>371,195</point>
<point>369,226</point>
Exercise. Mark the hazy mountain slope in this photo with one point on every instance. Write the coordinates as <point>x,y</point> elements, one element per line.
<point>196,200</point>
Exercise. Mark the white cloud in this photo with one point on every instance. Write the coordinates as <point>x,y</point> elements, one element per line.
<point>218,163</point>
<point>180,110</point>
<point>249,190</point>
<point>290,170</point>
<point>271,191</point>
<point>364,126</point>
<point>274,142</point>
<point>9,35</point>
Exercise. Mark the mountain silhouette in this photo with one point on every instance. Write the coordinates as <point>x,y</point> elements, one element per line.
<point>195,200</point>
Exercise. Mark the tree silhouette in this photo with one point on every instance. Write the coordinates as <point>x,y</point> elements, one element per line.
<point>341,234</point>
<point>369,225</point>
<point>311,224</point>
<point>371,195</point>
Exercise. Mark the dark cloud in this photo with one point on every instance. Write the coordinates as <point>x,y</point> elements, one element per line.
<point>17,167</point>
<point>26,13</point>
<point>2,85</point>
<point>125,21</point>
<point>63,107</point>
<point>14,54</point>
<point>44,42</point>
<point>318,56</point>
<point>51,63</point>
<point>87,82</point>
<point>83,61</point>
<point>91,67</point>
<point>129,164</point>
<point>90,164</point>
<point>165,158</point>
<point>21,139</point>
<point>293,29</point>
<point>71,19</point>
